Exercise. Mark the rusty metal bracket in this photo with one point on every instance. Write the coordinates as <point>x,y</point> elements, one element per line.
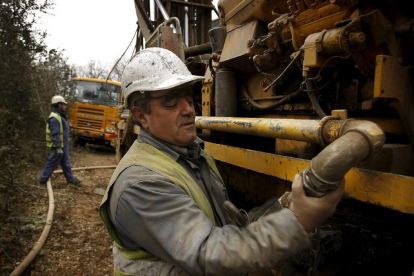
<point>341,113</point>
<point>207,97</point>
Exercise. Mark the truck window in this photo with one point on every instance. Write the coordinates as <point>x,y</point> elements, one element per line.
<point>96,93</point>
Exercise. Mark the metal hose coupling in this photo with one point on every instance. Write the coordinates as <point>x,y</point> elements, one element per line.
<point>314,186</point>
<point>358,140</point>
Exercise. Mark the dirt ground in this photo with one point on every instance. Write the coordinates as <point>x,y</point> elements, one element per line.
<point>78,243</point>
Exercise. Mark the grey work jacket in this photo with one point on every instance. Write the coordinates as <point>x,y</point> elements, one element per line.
<point>151,213</point>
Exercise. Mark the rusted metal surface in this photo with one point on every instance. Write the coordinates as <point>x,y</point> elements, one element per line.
<point>207,97</point>
<point>313,19</point>
<point>226,92</point>
<point>341,113</point>
<point>392,81</point>
<point>144,21</point>
<point>393,126</point>
<point>384,189</point>
<point>357,141</point>
<point>392,158</point>
<point>298,130</point>
<point>197,12</point>
<point>296,149</point>
<point>237,13</point>
<point>334,42</point>
<point>349,94</point>
<point>236,54</point>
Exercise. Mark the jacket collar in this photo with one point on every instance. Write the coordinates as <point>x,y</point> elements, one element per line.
<point>62,114</point>
<point>172,151</point>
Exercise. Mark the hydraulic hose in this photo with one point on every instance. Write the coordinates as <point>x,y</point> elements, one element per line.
<point>49,219</point>
<point>89,168</point>
<point>357,141</point>
<point>45,233</point>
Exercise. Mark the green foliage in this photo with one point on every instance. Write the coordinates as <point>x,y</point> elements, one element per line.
<point>29,77</point>
<point>52,76</point>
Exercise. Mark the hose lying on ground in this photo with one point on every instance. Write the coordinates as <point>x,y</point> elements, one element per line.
<point>49,219</point>
<point>39,244</point>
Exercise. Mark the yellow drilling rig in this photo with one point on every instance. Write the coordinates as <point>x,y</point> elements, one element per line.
<point>319,87</point>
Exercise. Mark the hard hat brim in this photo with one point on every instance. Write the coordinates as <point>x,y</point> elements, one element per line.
<point>178,81</point>
<point>167,84</point>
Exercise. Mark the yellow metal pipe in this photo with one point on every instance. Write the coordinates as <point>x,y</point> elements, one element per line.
<point>321,132</point>
<point>299,130</point>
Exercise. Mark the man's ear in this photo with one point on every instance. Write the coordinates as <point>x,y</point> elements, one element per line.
<point>140,116</point>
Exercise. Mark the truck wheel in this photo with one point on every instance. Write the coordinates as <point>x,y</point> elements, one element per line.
<point>79,142</point>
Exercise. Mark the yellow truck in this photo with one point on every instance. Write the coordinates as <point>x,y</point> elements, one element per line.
<point>93,111</point>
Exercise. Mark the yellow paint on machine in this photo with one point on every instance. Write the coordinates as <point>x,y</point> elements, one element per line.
<point>379,188</point>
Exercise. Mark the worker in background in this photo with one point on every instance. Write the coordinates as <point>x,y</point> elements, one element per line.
<point>57,139</point>
<point>164,206</point>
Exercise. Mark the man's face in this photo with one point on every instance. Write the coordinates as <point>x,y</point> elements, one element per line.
<point>172,117</point>
<point>62,107</point>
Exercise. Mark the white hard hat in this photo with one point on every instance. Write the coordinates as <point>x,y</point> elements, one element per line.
<point>58,99</point>
<point>155,69</point>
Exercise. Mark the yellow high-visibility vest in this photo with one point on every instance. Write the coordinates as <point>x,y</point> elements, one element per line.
<point>49,141</point>
<point>147,156</point>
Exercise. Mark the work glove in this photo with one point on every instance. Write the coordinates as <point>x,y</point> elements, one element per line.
<point>59,153</point>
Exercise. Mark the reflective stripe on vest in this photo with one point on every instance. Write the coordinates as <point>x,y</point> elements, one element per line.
<point>145,155</point>
<point>49,141</point>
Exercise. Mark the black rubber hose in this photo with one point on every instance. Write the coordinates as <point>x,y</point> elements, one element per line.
<point>314,100</point>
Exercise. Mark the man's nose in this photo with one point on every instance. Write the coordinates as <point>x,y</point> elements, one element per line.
<point>186,107</point>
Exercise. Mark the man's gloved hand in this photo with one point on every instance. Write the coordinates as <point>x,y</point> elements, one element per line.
<point>59,152</point>
<point>312,211</point>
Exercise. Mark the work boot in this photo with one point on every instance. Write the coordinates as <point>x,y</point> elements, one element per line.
<point>75,181</point>
<point>39,176</point>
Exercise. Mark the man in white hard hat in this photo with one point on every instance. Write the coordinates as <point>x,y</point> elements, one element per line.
<point>57,139</point>
<point>164,203</point>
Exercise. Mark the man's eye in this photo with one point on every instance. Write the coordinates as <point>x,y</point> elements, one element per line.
<point>170,105</point>
<point>190,102</point>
